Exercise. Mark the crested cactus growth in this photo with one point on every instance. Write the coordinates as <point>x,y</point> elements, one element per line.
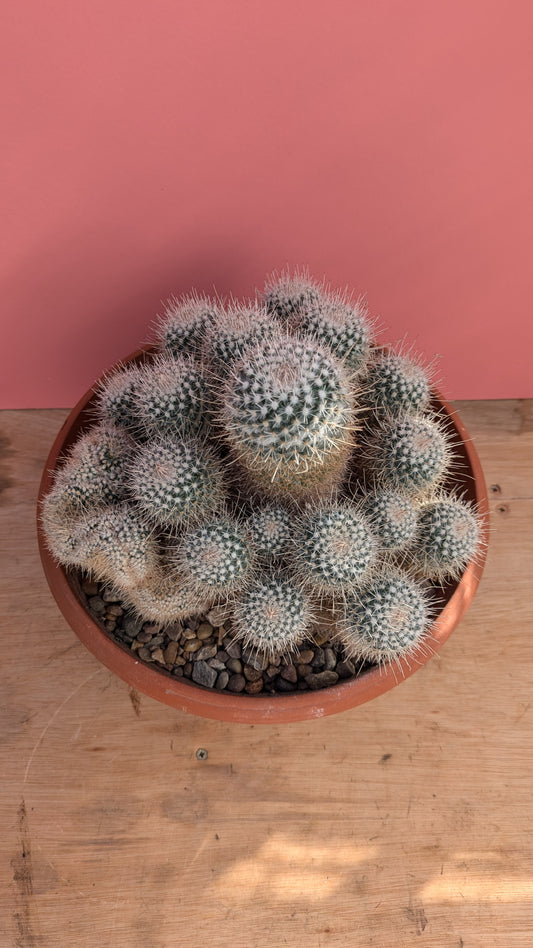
<point>176,482</point>
<point>288,296</point>
<point>272,531</point>
<point>267,458</point>
<point>182,327</point>
<point>94,474</point>
<point>169,397</point>
<point>215,557</point>
<point>335,549</point>
<point>236,329</point>
<point>120,548</point>
<point>387,619</point>
<point>393,515</point>
<point>408,453</point>
<point>272,616</point>
<point>341,326</point>
<point>397,384</point>
<point>448,538</point>
<point>164,598</point>
<point>288,415</point>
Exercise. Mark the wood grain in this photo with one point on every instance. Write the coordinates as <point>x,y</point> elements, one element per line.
<point>404,822</point>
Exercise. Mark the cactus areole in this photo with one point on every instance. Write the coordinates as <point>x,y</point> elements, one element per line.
<point>269,468</point>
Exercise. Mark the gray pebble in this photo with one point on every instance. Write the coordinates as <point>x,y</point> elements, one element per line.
<point>233,648</point>
<point>322,680</point>
<point>255,659</point>
<point>207,651</point>
<point>330,659</point>
<point>173,632</point>
<point>131,625</point>
<point>145,654</point>
<point>236,683</point>
<point>318,660</point>
<point>144,636</point>
<point>152,627</point>
<point>281,684</point>
<point>203,674</point>
<point>234,665</point>
<point>216,664</point>
<point>111,595</point>
<point>157,640</point>
<point>222,680</point>
<point>222,655</point>
<point>345,669</point>
<point>97,605</point>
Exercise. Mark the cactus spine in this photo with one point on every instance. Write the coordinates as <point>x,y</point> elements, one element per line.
<point>169,397</point>
<point>448,538</point>
<point>397,384</point>
<point>182,327</point>
<point>408,453</point>
<point>335,549</point>
<point>215,557</point>
<point>272,616</point>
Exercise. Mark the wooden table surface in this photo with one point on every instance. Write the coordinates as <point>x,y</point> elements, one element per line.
<point>404,822</point>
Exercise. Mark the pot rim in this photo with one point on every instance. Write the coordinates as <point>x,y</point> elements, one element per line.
<point>242,708</point>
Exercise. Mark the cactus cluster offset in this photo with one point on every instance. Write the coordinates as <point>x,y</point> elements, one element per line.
<point>267,456</point>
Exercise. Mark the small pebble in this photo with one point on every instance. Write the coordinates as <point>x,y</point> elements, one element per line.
<point>193,624</point>
<point>157,656</point>
<point>110,625</point>
<point>236,683</point>
<point>89,587</point>
<point>111,595</point>
<point>157,640</point>
<point>187,669</point>
<point>234,665</point>
<point>151,627</point>
<point>144,636</point>
<point>254,687</point>
<point>207,651</point>
<point>188,635</point>
<point>252,674</point>
<point>345,669</point>
<point>330,659</point>
<point>283,685</point>
<point>289,673</point>
<point>216,664</point>
<point>132,625</point>
<point>318,660</point>
<point>305,657</point>
<point>145,654</point>
<point>171,652</point>
<point>255,659</point>
<point>192,645</point>
<point>322,680</point>
<point>304,670</point>
<point>204,631</point>
<point>177,671</point>
<point>222,655</point>
<point>173,632</point>
<point>97,605</point>
<point>114,609</point>
<point>321,635</point>
<point>233,648</point>
<point>203,674</point>
<point>222,680</point>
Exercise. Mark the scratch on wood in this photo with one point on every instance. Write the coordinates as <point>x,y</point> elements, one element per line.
<point>135,699</point>
<point>23,879</point>
<point>415,913</point>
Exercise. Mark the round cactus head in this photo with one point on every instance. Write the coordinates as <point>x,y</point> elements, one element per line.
<point>182,327</point>
<point>237,328</point>
<point>288,415</point>
<point>448,538</point>
<point>393,516</point>
<point>169,398</point>
<point>63,529</point>
<point>216,556</point>
<point>410,452</point>
<point>335,549</point>
<point>272,616</point>
<point>397,384</point>
<point>115,397</point>
<point>176,482</point>
<point>341,326</point>
<point>386,620</point>
<point>289,295</point>
<point>272,531</point>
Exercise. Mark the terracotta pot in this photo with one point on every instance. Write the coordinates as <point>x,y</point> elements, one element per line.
<point>296,706</point>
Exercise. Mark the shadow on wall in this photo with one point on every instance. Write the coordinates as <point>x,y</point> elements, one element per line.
<point>102,306</point>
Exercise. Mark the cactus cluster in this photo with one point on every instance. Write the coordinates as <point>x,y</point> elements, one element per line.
<point>270,457</point>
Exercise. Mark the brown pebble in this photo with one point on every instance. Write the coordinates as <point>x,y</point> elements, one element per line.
<point>207,651</point>
<point>321,635</point>
<point>323,680</point>
<point>304,670</point>
<point>89,588</point>
<point>305,657</point>
<point>177,671</point>
<point>204,631</point>
<point>252,674</point>
<point>145,654</point>
<point>151,627</point>
<point>289,673</point>
<point>115,610</point>
<point>171,652</point>
<point>233,648</point>
<point>330,659</point>
<point>144,636</point>
<point>174,632</point>
<point>218,615</point>
<point>345,669</point>
<point>234,665</point>
<point>272,671</point>
<point>110,625</point>
<point>188,634</point>
<point>157,656</point>
<point>236,683</point>
<point>179,660</point>
<point>254,687</point>
<point>192,645</point>
<point>187,669</point>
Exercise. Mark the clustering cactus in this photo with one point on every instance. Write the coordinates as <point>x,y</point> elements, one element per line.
<point>273,615</point>
<point>288,416</point>
<point>182,327</point>
<point>217,556</point>
<point>448,538</point>
<point>335,549</point>
<point>386,620</point>
<point>396,384</point>
<point>268,458</point>
<point>175,482</point>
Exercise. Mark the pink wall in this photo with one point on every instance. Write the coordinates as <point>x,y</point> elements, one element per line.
<point>155,146</point>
